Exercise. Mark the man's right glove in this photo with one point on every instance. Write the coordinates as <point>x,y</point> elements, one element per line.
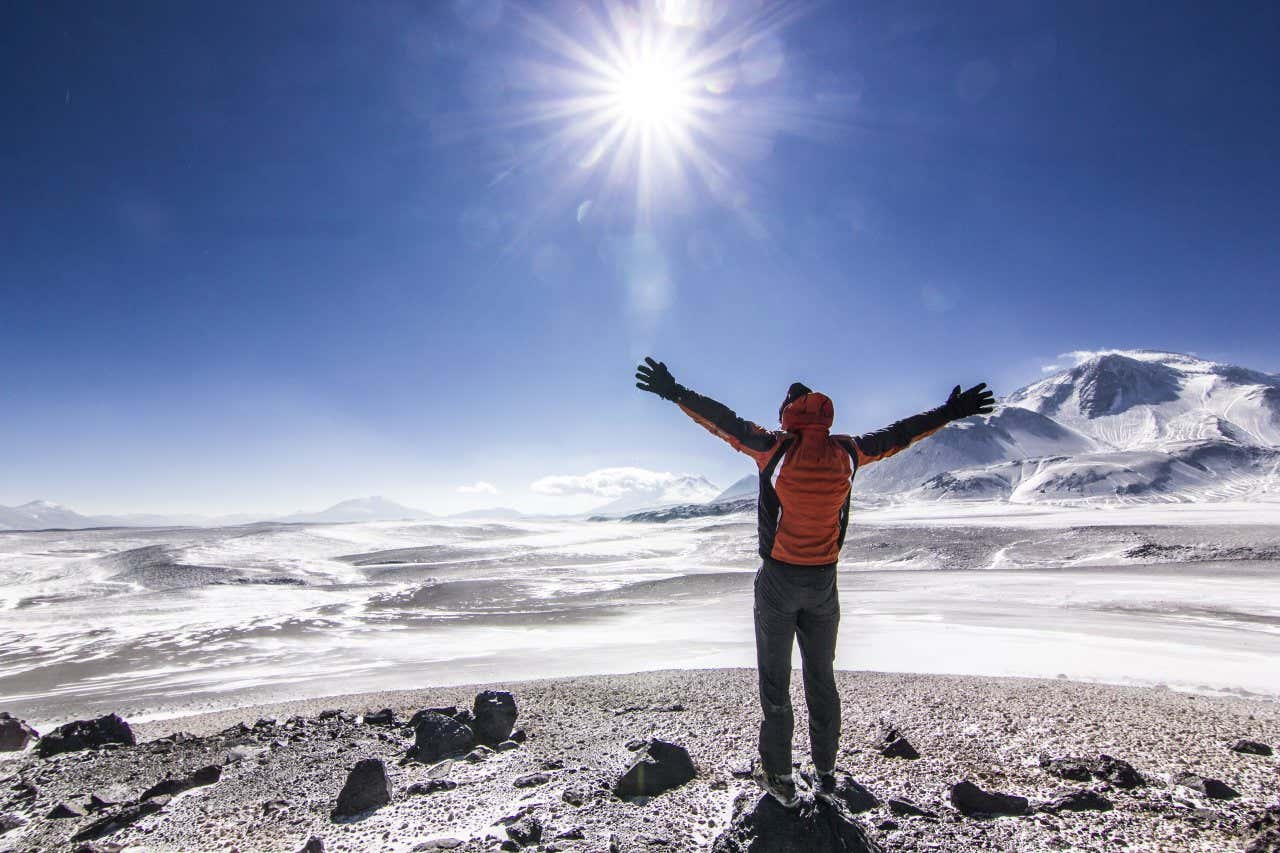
<point>978,400</point>
<point>656,379</point>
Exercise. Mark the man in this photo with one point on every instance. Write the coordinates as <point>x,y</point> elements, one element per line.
<point>805,479</point>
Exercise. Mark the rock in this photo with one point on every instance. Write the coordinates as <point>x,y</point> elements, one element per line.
<point>764,826</point>
<point>64,810</point>
<point>850,792</point>
<point>125,816</point>
<point>439,844</point>
<point>437,736</point>
<point>431,786</point>
<point>576,833</point>
<point>98,847</point>
<point>315,844</point>
<point>972,800</point>
<point>480,753</point>
<point>636,743</point>
<point>367,787</point>
<point>1265,832</point>
<point>330,713</point>
<point>1074,769</point>
<point>274,807</point>
<point>526,831</point>
<point>99,800</point>
<point>495,716</point>
<point>197,778</point>
<point>890,743</point>
<point>15,734</point>
<point>553,764</point>
<point>1078,801</point>
<point>906,808</point>
<point>1104,767</point>
<point>530,780</point>
<point>1251,747</point>
<point>10,821</point>
<point>519,735</point>
<point>1214,789</point>
<point>86,734</point>
<point>385,717</point>
<point>507,746</point>
<point>660,767</point>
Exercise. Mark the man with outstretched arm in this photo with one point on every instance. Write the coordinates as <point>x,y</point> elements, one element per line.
<point>805,479</point>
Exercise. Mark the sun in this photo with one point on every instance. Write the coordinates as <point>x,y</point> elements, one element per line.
<point>654,94</point>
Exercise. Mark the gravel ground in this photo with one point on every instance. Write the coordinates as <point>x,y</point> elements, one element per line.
<point>282,780</point>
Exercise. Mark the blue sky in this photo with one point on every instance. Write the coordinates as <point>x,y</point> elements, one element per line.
<point>270,256</point>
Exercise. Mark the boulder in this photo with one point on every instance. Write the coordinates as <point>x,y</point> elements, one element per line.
<point>764,825</point>
<point>15,734</point>
<point>853,794</point>
<point>10,821</point>
<point>86,734</point>
<point>127,815</point>
<point>315,844</point>
<point>367,787</point>
<point>385,717</point>
<point>1073,769</point>
<point>972,800</point>
<point>1078,801</point>
<point>65,810</point>
<point>495,716</point>
<point>1264,832</point>
<point>431,786</point>
<point>1214,789</point>
<point>658,767</point>
<point>1104,768</point>
<point>906,808</point>
<point>890,743</point>
<point>1251,747</point>
<point>530,780</point>
<point>526,831</point>
<point>195,779</point>
<point>437,736</point>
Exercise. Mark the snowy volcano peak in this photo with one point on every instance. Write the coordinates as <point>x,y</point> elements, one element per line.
<point>375,508</point>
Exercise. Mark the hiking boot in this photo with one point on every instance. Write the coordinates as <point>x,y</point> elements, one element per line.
<point>824,785</point>
<point>782,787</point>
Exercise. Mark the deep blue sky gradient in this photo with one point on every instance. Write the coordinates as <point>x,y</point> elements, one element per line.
<point>269,256</point>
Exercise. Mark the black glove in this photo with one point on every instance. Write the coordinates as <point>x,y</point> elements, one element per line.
<point>978,400</point>
<point>656,379</point>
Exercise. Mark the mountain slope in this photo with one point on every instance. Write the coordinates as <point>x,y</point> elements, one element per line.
<point>41,515</point>
<point>374,508</point>
<point>684,489</point>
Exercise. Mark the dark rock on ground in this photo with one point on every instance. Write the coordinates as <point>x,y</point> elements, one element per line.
<point>508,745</point>
<point>197,778</point>
<point>519,735</point>
<point>1263,833</point>
<point>576,833</point>
<point>480,753</point>
<point>972,800</point>
<point>849,791</point>
<point>526,831</point>
<point>367,787</point>
<point>530,780</point>
<point>11,821</point>
<point>315,844</point>
<point>1251,747</point>
<point>1078,801</point>
<point>1104,768</point>
<point>1073,769</point>
<point>1214,789</point>
<point>437,736</point>
<point>659,767</point>
<point>431,786</point>
<point>890,743</point>
<point>86,734</point>
<point>906,808</point>
<point>764,826</point>
<point>439,844</point>
<point>495,716</point>
<point>128,814</point>
<point>446,711</point>
<point>15,734</point>
<point>385,717</point>
<point>64,810</point>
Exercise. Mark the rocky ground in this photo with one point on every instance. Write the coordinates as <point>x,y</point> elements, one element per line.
<point>1003,764</point>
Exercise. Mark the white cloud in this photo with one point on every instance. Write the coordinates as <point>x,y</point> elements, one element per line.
<point>479,487</point>
<point>607,482</point>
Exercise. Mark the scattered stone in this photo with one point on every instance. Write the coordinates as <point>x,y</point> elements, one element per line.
<point>1104,768</point>
<point>1078,801</point>
<point>530,780</point>
<point>577,833</point>
<point>439,844</point>
<point>553,764</point>
<point>480,753</point>
<point>86,734</point>
<point>765,826</point>
<point>906,808</point>
<point>385,717</point>
<point>887,825</point>
<point>495,716</point>
<point>890,743</point>
<point>574,796</point>
<point>125,816</point>
<point>507,746</point>
<point>431,786</point>
<point>972,800</point>
<point>660,767</point>
<point>437,736</point>
<point>330,713</point>
<point>1265,830</point>
<point>1251,747</point>
<point>169,787</point>
<point>1074,769</point>
<point>272,808</point>
<point>15,734</point>
<point>526,831</point>
<point>637,743</point>
<point>315,844</point>
<point>64,810</point>
<point>367,787</point>
<point>519,735</point>
<point>100,800</point>
<point>98,847</point>
<point>1214,789</point>
<point>10,822</point>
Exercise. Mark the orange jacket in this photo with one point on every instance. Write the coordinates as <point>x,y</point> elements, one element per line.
<point>806,474</point>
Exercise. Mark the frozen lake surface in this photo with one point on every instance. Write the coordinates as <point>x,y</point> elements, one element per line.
<point>164,621</point>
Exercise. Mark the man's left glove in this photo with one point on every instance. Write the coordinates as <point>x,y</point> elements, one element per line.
<point>978,400</point>
<point>654,377</point>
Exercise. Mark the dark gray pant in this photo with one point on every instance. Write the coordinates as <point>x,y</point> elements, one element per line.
<point>799,602</point>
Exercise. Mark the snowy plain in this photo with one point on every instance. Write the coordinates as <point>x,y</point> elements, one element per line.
<point>161,622</point>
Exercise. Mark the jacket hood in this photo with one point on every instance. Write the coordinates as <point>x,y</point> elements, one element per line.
<point>808,412</point>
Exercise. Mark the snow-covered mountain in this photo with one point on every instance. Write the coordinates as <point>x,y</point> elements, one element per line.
<point>1123,425</point>
<point>374,508</point>
<point>747,487</point>
<point>40,515</point>
<point>683,489</point>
